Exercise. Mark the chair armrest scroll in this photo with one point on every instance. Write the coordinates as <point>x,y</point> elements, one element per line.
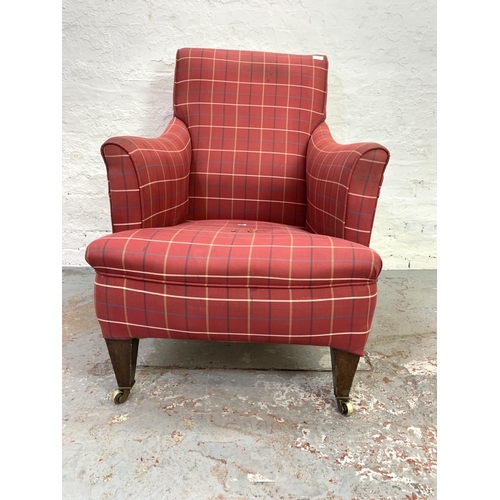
<point>148,179</point>
<point>343,186</point>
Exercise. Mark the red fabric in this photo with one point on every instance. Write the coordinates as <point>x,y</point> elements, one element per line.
<point>338,317</point>
<point>234,253</point>
<point>246,154</point>
<point>222,280</point>
<point>250,116</point>
<point>343,185</point>
<point>149,178</point>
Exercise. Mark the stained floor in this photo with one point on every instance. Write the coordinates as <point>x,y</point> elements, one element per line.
<point>222,421</point>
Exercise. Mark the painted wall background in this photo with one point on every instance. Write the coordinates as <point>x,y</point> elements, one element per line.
<point>118,61</point>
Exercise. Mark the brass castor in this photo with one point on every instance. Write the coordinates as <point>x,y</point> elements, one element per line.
<point>345,407</point>
<point>120,396</point>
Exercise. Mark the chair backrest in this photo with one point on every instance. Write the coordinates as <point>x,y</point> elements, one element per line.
<point>250,116</point>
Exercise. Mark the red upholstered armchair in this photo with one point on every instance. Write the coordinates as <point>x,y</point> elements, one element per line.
<point>244,221</point>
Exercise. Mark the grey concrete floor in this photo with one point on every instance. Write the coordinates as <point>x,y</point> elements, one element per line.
<point>221,421</point>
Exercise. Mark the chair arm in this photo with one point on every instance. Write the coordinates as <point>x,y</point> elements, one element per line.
<point>343,186</point>
<point>148,179</point>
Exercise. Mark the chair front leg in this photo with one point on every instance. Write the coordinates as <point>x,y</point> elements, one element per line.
<point>344,365</point>
<point>123,354</point>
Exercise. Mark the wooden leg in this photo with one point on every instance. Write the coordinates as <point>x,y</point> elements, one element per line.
<point>123,354</point>
<point>344,365</point>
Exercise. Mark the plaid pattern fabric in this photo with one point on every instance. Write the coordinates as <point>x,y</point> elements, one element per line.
<point>148,179</point>
<point>343,186</point>
<point>250,116</point>
<point>211,239</point>
<point>235,280</point>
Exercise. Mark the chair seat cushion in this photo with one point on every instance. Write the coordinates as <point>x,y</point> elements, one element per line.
<point>235,280</point>
<point>234,253</point>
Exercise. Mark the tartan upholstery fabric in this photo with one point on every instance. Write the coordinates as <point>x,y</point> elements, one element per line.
<point>235,280</point>
<point>250,116</point>
<point>343,186</point>
<point>234,253</point>
<point>148,178</point>
<point>245,221</point>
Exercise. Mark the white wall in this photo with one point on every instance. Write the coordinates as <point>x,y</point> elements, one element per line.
<point>118,62</point>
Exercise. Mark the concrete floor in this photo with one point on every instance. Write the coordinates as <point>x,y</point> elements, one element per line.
<point>220,421</point>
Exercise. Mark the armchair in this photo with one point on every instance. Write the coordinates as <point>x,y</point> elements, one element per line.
<point>244,221</point>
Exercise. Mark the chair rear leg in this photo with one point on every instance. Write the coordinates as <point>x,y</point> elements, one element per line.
<point>123,354</point>
<point>344,365</point>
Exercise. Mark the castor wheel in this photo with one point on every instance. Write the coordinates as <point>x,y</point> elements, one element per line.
<point>120,396</point>
<point>345,407</point>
